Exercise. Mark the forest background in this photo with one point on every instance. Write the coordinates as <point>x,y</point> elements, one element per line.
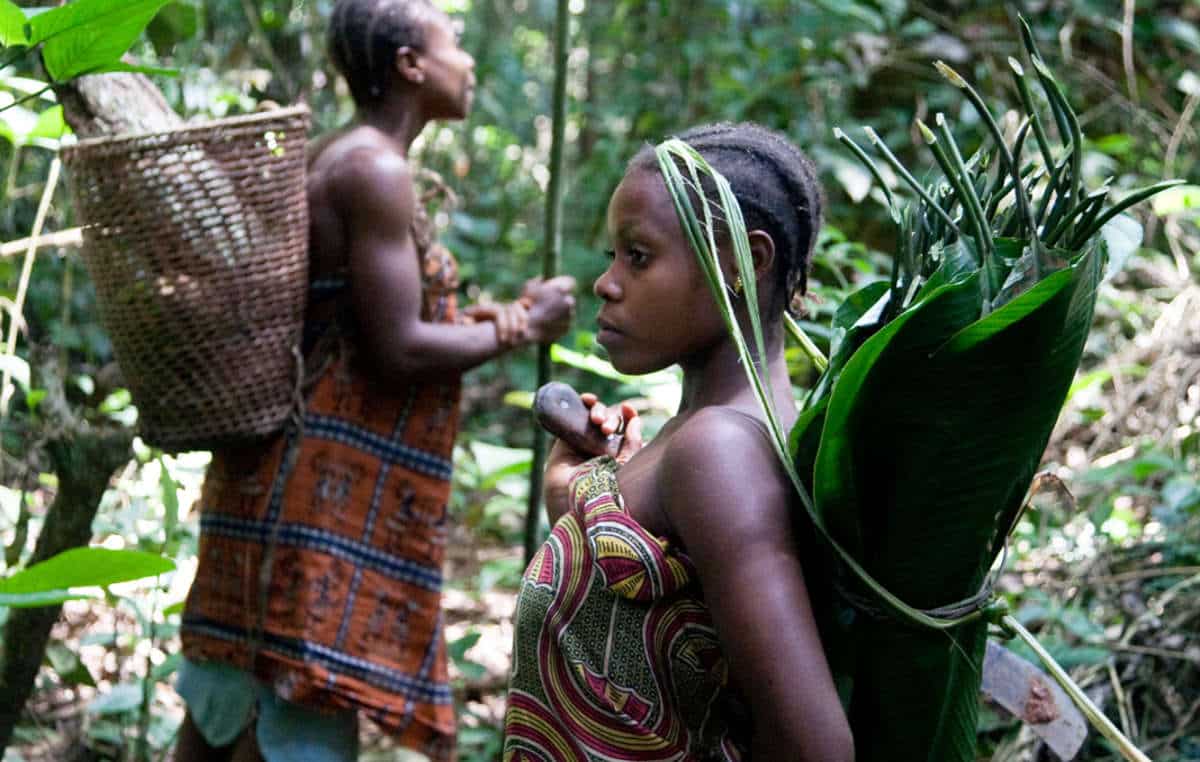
<point>1106,571</point>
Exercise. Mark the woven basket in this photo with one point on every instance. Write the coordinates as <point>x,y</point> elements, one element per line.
<point>196,240</point>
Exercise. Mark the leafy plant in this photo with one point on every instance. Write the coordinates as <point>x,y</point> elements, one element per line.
<point>81,37</point>
<point>916,447</point>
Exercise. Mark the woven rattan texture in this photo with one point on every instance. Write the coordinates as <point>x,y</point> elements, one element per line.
<point>196,240</point>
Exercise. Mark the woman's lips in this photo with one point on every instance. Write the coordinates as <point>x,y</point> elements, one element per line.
<point>607,332</point>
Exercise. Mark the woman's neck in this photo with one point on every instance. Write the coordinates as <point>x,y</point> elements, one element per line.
<point>719,379</point>
<point>398,118</point>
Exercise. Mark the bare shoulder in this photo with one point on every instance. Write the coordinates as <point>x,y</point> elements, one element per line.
<point>361,168</point>
<point>720,472</point>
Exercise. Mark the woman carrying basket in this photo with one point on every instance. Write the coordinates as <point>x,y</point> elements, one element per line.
<point>318,591</point>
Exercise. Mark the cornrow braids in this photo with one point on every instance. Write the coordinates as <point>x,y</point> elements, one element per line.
<point>364,36</point>
<point>776,187</point>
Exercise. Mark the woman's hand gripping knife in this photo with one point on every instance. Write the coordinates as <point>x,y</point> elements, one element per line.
<point>583,428</point>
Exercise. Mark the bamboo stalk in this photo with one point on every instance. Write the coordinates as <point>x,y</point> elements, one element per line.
<point>550,260</point>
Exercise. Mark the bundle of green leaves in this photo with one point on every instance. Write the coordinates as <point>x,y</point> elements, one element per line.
<point>915,450</point>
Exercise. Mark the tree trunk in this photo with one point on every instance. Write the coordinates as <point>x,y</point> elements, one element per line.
<point>84,459</point>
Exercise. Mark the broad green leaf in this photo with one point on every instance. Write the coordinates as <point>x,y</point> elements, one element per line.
<point>933,432</point>
<point>85,567</point>
<point>88,36</point>
<point>12,25</point>
<point>50,124</point>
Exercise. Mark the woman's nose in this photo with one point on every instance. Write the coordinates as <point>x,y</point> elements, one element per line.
<point>606,287</point>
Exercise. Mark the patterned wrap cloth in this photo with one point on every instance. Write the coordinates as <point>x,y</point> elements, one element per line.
<point>614,655</point>
<point>326,583</point>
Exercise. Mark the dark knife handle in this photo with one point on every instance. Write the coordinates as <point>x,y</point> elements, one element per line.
<point>559,411</point>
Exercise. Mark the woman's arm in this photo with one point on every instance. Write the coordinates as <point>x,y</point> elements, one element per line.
<point>727,497</point>
<point>376,202</point>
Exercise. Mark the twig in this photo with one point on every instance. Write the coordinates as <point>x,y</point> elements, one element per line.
<point>1139,574</point>
<point>1127,51</point>
<point>60,239</point>
<point>18,307</point>
<point>1121,700</point>
<point>1161,653</point>
<point>1184,124</point>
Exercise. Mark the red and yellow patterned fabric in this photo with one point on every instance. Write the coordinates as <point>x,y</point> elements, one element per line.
<point>614,655</point>
<point>326,582</point>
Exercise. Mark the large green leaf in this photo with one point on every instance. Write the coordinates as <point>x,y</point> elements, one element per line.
<point>930,438</point>
<point>12,25</point>
<point>46,583</point>
<point>90,35</point>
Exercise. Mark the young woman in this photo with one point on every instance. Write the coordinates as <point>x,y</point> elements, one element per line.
<point>318,592</point>
<point>667,616</point>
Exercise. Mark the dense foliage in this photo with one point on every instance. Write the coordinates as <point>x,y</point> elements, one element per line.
<point>1107,577</point>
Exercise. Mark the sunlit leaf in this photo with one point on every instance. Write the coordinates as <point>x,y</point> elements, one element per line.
<point>18,370</point>
<point>12,25</point>
<point>88,36</point>
<point>85,567</point>
<point>50,124</point>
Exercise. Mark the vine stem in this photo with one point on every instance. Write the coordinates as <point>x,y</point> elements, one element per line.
<point>1098,719</point>
<point>18,306</point>
<point>810,349</point>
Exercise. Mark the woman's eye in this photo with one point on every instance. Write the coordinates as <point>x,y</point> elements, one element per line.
<point>610,254</point>
<point>637,257</point>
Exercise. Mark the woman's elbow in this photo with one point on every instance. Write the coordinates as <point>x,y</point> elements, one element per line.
<point>807,742</point>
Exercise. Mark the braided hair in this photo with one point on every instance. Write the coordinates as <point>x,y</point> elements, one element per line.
<point>776,187</point>
<point>364,36</point>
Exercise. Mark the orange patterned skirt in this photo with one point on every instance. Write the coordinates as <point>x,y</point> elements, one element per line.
<point>326,582</point>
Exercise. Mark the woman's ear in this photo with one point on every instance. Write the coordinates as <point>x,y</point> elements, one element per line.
<point>762,252</point>
<point>408,65</point>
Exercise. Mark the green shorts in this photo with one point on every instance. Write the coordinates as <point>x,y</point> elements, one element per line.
<point>222,701</point>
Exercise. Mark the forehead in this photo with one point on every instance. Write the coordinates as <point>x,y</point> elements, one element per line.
<point>641,190</point>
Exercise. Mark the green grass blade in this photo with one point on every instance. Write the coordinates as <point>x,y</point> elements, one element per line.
<point>1039,130</point>
<point>1133,198</point>
<point>1006,156</point>
<point>901,170</point>
<point>865,160</point>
